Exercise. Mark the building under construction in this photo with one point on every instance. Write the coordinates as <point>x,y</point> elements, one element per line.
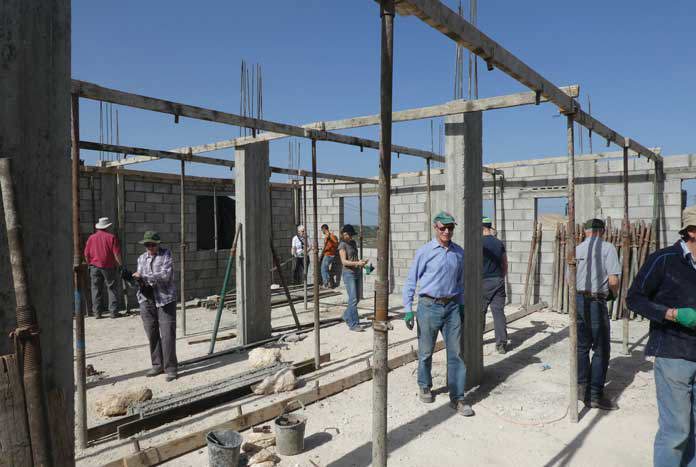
<point>230,237</point>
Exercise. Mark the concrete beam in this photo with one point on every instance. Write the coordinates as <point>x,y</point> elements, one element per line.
<point>440,17</point>
<point>463,187</point>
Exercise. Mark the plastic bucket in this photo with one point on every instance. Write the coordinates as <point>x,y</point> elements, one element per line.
<point>223,448</point>
<point>290,431</point>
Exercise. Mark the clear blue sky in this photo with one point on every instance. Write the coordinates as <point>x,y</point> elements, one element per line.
<point>320,59</point>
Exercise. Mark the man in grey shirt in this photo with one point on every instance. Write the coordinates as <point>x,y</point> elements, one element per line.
<point>598,271</point>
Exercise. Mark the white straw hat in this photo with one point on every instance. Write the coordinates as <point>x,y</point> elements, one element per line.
<point>103,223</point>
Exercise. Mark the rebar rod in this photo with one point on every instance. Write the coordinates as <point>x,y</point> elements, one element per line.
<point>315,258</point>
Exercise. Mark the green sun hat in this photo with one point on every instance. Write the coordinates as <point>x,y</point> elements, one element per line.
<point>444,218</point>
<point>150,236</point>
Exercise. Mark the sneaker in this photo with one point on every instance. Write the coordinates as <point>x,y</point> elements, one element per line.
<point>114,315</point>
<point>170,377</point>
<point>602,403</point>
<point>153,372</point>
<point>462,409</point>
<point>501,348</point>
<point>357,329</point>
<point>425,396</point>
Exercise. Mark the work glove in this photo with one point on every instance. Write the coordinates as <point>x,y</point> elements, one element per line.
<point>686,317</point>
<point>408,319</point>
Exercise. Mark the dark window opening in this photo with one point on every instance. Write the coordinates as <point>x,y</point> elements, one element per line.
<point>205,222</point>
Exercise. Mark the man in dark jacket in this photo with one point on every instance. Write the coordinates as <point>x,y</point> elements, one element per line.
<point>664,291</point>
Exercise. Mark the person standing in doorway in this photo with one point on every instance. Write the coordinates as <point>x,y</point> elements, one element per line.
<point>328,254</point>
<point>299,250</point>
<point>103,255</point>
<point>664,291</point>
<point>157,299</point>
<point>495,268</point>
<point>597,276</point>
<point>438,268</point>
<point>352,276</point>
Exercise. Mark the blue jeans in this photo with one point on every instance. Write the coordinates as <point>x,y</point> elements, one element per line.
<point>351,280</point>
<point>675,440</point>
<point>432,318</point>
<point>325,262</point>
<point>593,333</point>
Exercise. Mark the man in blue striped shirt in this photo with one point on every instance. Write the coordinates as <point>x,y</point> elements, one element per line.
<point>438,270</point>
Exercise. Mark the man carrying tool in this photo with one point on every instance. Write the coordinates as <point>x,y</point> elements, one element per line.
<point>328,254</point>
<point>598,271</point>
<point>495,267</point>
<point>298,251</point>
<point>103,255</point>
<point>438,268</point>
<point>664,291</point>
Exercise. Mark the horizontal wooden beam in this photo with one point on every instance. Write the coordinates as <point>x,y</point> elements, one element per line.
<point>440,17</point>
<point>156,154</point>
<point>96,92</point>
<point>440,110</point>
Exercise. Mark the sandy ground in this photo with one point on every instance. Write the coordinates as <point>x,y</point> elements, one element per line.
<point>520,408</point>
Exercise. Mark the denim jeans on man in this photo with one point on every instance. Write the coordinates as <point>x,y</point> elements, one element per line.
<point>325,263</point>
<point>432,318</point>
<point>351,279</point>
<point>675,441</point>
<point>593,333</point>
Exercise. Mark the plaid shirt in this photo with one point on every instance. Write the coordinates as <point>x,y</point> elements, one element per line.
<point>158,272</point>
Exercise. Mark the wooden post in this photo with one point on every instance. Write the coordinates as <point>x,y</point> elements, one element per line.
<point>572,291</point>
<point>182,249</point>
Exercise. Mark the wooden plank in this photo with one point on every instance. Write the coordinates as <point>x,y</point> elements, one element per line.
<point>15,447</point>
<point>440,17</point>
<point>96,92</point>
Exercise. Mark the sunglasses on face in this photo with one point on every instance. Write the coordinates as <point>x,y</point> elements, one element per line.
<point>150,245</point>
<point>449,227</point>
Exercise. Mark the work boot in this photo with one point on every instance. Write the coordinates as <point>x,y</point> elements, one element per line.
<point>170,377</point>
<point>425,396</point>
<point>501,348</point>
<point>114,315</point>
<point>462,409</point>
<point>98,315</point>
<point>153,372</point>
<point>602,403</point>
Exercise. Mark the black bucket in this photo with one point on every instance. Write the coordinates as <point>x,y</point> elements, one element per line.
<point>290,431</point>
<point>223,448</point>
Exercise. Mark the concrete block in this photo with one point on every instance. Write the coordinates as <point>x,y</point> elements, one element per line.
<point>153,197</point>
<point>544,170</point>
<point>143,186</point>
<point>162,188</point>
<point>135,196</point>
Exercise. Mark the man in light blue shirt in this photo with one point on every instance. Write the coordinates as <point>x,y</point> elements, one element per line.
<point>438,270</point>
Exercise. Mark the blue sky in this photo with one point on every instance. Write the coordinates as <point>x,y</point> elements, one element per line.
<point>635,59</point>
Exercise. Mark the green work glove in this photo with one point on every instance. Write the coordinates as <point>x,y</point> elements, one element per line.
<point>408,319</point>
<point>686,317</point>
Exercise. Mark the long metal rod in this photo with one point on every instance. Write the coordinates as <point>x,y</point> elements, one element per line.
<point>362,237</point>
<point>306,247</point>
<point>380,326</point>
<point>572,290</point>
<point>626,254</point>
<point>428,185</point>
<point>182,247</point>
<point>80,359</point>
<point>223,291</point>
<point>215,218</point>
<point>315,258</point>
<point>495,203</point>
<point>27,332</point>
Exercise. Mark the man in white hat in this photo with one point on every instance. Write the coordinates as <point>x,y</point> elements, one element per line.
<point>103,255</point>
<point>664,291</point>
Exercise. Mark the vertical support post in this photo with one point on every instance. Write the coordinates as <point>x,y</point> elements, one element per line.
<point>657,218</point>
<point>182,248</point>
<point>495,202</point>
<point>626,252</point>
<point>315,258</point>
<point>306,247</point>
<point>428,185</point>
<point>215,219</point>
<point>572,290</point>
<point>380,325</point>
<point>362,238</point>
<point>121,213</point>
<point>80,358</point>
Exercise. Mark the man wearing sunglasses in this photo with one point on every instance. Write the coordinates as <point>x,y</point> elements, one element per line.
<point>438,270</point>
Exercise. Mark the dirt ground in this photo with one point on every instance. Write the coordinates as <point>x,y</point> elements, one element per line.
<point>520,408</point>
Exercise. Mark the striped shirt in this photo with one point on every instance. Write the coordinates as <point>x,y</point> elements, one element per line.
<point>159,273</point>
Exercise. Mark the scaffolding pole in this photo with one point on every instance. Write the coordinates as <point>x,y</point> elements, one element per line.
<point>182,249</point>
<point>305,246</point>
<point>380,325</point>
<point>495,203</point>
<point>429,189</point>
<point>572,289</point>
<point>315,258</point>
<point>360,209</point>
<point>626,253</point>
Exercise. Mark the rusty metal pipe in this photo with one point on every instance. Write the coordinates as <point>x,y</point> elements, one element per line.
<point>626,256</point>
<point>27,332</point>
<point>315,258</point>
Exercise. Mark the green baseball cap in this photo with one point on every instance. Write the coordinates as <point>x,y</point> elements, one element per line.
<point>487,222</point>
<point>594,224</point>
<point>444,217</point>
<point>150,236</point>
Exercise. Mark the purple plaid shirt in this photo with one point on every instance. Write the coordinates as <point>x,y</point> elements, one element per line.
<point>158,272</point>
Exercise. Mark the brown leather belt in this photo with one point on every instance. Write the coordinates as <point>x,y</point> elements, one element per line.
<point>441,300</point>
<point>595,296</point>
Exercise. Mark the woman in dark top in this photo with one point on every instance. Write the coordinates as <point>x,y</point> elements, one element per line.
<point>348,252</point>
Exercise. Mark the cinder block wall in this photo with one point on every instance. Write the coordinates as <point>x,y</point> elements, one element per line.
<point>599,193</point>
<point>153,203</point>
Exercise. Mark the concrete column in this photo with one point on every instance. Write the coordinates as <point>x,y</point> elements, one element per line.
<point>464,185</point>
<point>35,132</point>
<point>254,249</point>
<point>586,203</point>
